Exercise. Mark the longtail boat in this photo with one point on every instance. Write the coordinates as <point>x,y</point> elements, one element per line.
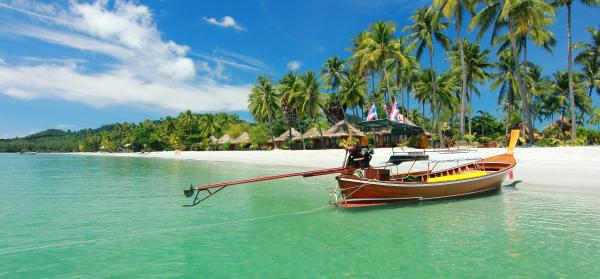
<point>360,184</point>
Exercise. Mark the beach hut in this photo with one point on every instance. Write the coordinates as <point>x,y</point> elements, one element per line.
<point>286,135</point>
<point>313,136</point>
<point>224,140</point>
<point>339,132</point>
<point>242,141</point>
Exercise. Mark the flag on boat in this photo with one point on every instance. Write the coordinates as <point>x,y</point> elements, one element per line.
<point>372,115</point>
<point>394,112</point>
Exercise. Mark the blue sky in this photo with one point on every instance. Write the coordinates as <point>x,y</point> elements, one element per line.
<point>74,65</point>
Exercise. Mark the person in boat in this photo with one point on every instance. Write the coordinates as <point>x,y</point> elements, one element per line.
<point>359,157</point>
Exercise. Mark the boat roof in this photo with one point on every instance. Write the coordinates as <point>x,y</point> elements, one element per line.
<point>397,128</point>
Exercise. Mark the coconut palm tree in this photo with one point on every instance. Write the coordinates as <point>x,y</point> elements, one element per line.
<point>288,85</point>
<point>375,48</point>
<point>567,3</point>
<point>512,15</point>
<point>403,72</point>
<point>441,96</point>
<point>353,91</point>
<point>474,62</point>
<point>538,85</point>
<point>589,59</point>
<point>595,119</point>
<point>454,9</point>
<point>559,95</point>
<point>332,75</point>
<point>263,102</point>
<point>310,100</point>
<point>426,27</point>
<point>504,79</point>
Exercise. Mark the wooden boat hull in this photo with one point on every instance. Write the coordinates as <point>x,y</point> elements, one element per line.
<point>356,191</point>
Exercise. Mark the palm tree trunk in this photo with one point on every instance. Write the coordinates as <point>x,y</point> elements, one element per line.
<point>320,132</point>
<point>570,70</point>
<point>271,131</point>
<point>300,130</point>
<point>433,99</point>
<point>463,88</point>
<point>524,103</point>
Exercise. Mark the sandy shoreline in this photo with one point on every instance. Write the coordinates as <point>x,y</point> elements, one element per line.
<point>553,169</point>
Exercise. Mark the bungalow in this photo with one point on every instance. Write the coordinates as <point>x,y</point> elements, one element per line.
<point>340,131</point>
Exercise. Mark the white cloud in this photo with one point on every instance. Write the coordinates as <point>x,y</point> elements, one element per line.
<point>118,87</point>
<point>225,22</point>
<point>294,65</point>
<point>148,71</point>
<point>2,61</point>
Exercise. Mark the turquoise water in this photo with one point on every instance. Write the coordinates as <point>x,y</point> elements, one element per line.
<point>75,216</point>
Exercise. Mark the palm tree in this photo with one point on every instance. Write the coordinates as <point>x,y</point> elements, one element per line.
<point>440,96</point>
<point>559,98</point>
<point>332,75</point>
<point>263,102</point>
<point>474,62</point>
<point>289,84</point>
<point>454,9</point>
<point>512,15</point>
<point>403,72</point>
<point>353,92</point>
<point>310,99</point>
<point>589,59</point>
<point>189,121</point>
<point>427,27</point>
<point>538,85</point>
<point>567,3</point>
<point>504,78</point>
<point>595,119</point>
<point>376,47</point>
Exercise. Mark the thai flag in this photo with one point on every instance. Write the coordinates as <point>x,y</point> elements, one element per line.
<point>394,113</point>
<point>372,115</point>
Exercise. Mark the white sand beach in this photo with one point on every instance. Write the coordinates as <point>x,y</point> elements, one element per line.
<point>553,169</point>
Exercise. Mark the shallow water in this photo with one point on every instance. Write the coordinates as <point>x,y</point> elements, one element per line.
<point>76,216</point>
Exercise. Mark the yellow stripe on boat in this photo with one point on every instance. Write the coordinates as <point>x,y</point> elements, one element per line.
<point>454,177</point>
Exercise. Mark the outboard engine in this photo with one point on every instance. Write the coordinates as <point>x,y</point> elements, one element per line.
<point>359,157</point>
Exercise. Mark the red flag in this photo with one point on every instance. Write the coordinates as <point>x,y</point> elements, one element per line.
<point>510,174</point>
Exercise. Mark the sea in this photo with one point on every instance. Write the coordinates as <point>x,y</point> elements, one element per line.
<point>74,216</point>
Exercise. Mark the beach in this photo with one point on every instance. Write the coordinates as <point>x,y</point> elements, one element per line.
<point>549,169</point>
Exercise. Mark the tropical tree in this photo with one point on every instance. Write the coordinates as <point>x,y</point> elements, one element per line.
<point>426,27</point>
<point>567,3</point>
<point>375,47</point>
<point>332,75</point>
<point>263,102</point>
<point>454,9</point>
<point>353,92</point>
<point>288,86</point>
<point>310,99</point>
<point>474,62</point>
<point>559,99</point>
<point>595,119</point>
<point>512,15</point>
<point>589,59</point>
<point>439,92</point>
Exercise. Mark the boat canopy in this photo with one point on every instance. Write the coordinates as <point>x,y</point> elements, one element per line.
<point>397,128</point>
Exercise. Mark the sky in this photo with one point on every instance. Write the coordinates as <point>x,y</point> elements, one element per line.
<point>72,65</point>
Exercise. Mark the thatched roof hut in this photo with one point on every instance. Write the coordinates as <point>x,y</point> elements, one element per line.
<point>313,133</point>
<point>224,139</point>
<point>243,138</point>
<point>213,139</point>
<point>283,137</point>
<point>339,130</point>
